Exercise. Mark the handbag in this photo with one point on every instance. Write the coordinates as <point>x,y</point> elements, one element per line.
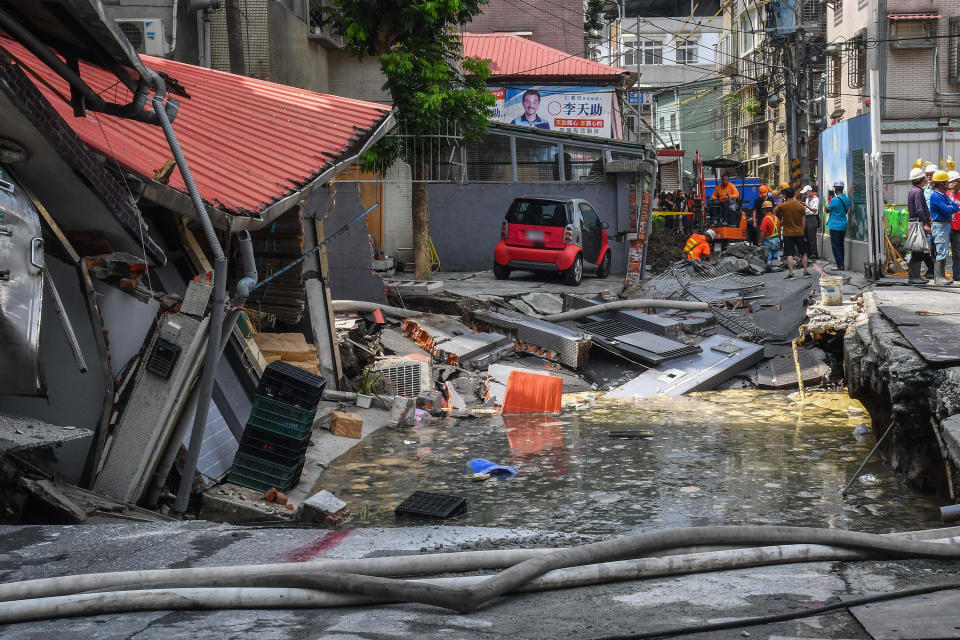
<point>916,238</point>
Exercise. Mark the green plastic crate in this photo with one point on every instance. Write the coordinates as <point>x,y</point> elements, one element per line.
<point>279,417</point>
<point>236,477</point>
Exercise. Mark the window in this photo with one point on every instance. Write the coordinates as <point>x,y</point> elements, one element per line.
<point>747,40</point>
<point>650,52</point>
<point>631,123</point>
<point>662,128</point>
<point>838,13</point>
<point>590,217</point>
<point>629,50</point>
<point>673,122</point>
<point>955,49</point>
<point>687,52</point>
<point>908,33</point>
<point>886,166</point>
<point>857,61</point>
<point>834,73</point>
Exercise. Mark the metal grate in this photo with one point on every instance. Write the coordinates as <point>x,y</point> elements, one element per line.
<point>406,379</point>
<point>608,328</point>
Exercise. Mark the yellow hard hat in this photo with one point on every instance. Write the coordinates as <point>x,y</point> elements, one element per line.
<point>784,185</point>
<point>940,176</point>
<point>767,205</point>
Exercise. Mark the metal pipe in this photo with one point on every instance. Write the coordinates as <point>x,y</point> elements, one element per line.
<point>217,312</point>
<point>65,322</point>
<point>950,513</point>
<point>367,307</point>
<point>243,287</point>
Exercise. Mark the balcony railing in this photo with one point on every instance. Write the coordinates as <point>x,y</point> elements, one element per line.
<point>320,30</point>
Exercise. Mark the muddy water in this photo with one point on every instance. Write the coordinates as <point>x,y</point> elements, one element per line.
<point>714,458</point>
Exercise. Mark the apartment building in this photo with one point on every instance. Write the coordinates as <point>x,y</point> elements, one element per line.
<point>554,23</point>
<point>677,89</point>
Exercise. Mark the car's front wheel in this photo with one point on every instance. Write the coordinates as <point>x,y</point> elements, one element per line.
<point>604,269</point>
<point>574,274</point>
<point>500,272</point>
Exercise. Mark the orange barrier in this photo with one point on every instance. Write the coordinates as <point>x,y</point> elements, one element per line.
<point>530,392</point>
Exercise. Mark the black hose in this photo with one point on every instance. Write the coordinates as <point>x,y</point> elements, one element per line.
<point>783,617</point>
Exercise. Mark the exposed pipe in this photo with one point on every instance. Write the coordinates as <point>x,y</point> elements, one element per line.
<point>215,327</point>
<point>367,307</point>
<point>636,303</point>
<point>243,287</point>
<point>293,585</point>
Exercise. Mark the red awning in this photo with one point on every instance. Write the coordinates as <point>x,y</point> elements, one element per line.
<point>914,16</point>
<point>250,143</point>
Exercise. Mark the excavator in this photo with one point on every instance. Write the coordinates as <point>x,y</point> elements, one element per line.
<point>728,220</point>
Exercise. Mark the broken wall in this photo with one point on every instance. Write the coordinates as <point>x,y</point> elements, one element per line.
<point>465,218</point>
<point>350,255</point>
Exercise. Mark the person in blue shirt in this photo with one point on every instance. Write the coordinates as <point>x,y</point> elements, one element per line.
<point>837,222</point>
<point>942,208</point>
<point>531,102</point>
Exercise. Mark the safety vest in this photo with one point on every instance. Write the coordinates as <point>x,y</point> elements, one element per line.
<point>692,244</point>
<point>776,224</point>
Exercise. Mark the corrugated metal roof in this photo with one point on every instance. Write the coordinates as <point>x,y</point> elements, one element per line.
<point>512,56</point>
<point>249,142</point>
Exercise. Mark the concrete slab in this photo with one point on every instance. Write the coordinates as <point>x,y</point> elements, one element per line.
<point>720,359</point>
<point>932,616</point>
<point>543,302</point>
<point>924,317</point>
<point>18,433</point>
<point>474,283</point>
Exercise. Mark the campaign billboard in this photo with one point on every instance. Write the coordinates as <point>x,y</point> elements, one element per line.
<point>584,110</point>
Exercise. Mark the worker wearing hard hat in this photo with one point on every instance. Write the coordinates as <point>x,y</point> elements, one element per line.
<point>942,208</point>
<point>698,245</point>
<point>837,211</point>
<point>928,188</point>
<point>770,231</point>
<point>918,212</point>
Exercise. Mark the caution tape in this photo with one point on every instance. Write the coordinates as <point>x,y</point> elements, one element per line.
<point>673,213</point>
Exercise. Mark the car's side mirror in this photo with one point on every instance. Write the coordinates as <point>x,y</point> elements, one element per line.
<point>604,225</point>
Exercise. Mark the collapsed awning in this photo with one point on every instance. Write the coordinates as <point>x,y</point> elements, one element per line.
<point>255,148</point>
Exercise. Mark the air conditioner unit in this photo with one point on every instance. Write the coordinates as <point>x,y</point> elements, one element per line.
<point>146,35</point>
<point>408,377</point>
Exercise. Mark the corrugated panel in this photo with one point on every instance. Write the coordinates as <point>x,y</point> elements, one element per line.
<point>511,55</point>
<point>249,142</point>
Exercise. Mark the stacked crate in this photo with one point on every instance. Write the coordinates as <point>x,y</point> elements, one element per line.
<point>275,440</point>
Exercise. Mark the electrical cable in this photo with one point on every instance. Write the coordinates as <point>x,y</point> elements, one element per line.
<point>739,623</point>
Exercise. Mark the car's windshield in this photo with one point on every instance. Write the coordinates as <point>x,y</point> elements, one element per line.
<point>544,213</point>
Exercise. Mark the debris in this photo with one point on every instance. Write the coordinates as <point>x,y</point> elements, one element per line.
<point>402,411</point>
<point>480,477</point>
<point>484,466</point>
<point>62,507</point>
<point>630,433</point>
<point>538,337</point>
<point>347,425</point>
<point>406,377</point>
<point>431,505</point>
<point>474,351</point>
<point>862,431</point>
<point>868,479</point>
<point>413,287</point>
<point>270,494</point>
<point>721,359</point>
<point>543,303</point>
<point>529,392</point>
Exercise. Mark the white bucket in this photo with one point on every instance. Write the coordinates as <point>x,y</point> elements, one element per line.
<point>830,290</point>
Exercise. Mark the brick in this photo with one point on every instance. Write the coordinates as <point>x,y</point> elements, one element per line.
<point>347,425</point>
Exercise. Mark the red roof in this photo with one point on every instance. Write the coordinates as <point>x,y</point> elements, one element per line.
<point>512,56</point>
<point>249,142</point>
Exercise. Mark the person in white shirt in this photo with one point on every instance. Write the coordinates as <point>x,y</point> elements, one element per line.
<point>812,220</point>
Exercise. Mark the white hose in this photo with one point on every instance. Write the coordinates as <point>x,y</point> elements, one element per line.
<point>636,303</point>
<point>215,598</point>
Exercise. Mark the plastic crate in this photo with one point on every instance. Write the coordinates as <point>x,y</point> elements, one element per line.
<point>272,447</point>
<point>287,383</point>
<point>277,475</point>
<point>281,418</point>
<point>423,504</point>
<point>238,477</point>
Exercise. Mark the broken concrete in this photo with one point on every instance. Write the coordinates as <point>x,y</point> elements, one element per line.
<point>543,303</point>
<point>346,425</point>
<point>18,433</point>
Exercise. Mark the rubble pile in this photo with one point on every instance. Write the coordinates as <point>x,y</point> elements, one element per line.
<point>748,259</point>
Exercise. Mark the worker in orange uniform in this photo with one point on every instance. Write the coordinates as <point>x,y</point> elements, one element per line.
<point>698,246</point>
<point>770,231</point>
<point>726,190</point>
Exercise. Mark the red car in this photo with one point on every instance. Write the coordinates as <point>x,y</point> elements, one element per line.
<point>560,235</point>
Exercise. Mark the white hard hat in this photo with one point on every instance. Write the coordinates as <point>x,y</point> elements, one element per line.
<point>711,233</point>
<point>805,189</point>
<point>839,183</point>
<point>930,168</point>
<point>953,175</point>
<point>916,173</point>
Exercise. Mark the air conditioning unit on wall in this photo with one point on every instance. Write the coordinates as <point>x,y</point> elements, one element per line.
<point>146,35</point>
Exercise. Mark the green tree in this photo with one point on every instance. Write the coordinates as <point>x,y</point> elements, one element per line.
<point>433,87</point>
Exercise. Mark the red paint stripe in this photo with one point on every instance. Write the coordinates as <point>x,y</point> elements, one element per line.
<point>317,547</point>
